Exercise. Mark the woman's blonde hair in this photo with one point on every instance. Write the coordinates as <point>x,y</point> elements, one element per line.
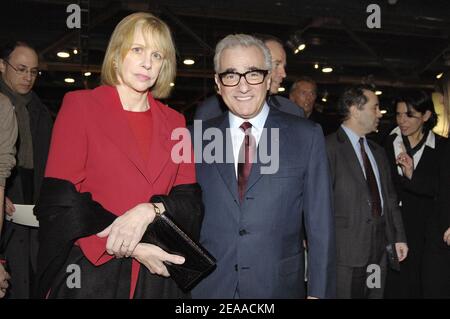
<point>443,87</point>
<point>154,31</point>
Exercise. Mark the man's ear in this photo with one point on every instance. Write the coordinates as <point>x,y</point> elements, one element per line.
<point>216,79</point>
<point>353,111</point>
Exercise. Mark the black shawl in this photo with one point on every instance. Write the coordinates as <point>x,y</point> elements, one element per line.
<point>66,215</point>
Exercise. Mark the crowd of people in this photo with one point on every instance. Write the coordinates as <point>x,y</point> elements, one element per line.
<point>337,201</point>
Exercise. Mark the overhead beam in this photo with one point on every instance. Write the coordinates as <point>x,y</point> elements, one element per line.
<point>108,12</point>
<point>369,50</point>
<point>186,29</point>
<point>434,59</point>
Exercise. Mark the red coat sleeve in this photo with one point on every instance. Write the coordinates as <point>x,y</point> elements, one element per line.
<point>67,160</point>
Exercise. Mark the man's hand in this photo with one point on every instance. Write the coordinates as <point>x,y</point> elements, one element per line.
<point>4,277</point>
<point>402,250</point>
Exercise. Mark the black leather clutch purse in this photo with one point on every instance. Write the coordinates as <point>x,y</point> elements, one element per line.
<point>164,233</point>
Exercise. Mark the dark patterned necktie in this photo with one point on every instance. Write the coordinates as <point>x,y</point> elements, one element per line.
<point>245,159</point>
<point>371,182</point>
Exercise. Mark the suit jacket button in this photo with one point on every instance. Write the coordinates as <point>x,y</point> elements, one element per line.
<point>235,267</point>
<point>243,232</point>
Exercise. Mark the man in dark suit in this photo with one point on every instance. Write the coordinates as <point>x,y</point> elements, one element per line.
<point>19,70</point>
<point>215,106</point>
<point>366,211</point>
<point>253,204</point>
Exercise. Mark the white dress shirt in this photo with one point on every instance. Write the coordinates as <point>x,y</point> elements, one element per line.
<point>237,134</point>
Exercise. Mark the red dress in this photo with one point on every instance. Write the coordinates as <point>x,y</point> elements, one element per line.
<point>94,147</point>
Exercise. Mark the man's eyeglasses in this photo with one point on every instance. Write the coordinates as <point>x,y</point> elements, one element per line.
<point>23,70</point>
<point>253,77</point>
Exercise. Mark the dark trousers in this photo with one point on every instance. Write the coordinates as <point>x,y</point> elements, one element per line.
<point>368,281</point>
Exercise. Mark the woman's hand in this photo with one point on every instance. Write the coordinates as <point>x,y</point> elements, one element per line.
<point>406,163</point>
<point>153,258</point>
<point>127,230</point>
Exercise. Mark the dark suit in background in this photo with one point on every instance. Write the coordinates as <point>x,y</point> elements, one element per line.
<point>360,238</point>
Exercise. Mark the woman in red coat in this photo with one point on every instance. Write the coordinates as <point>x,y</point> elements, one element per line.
<point>114,142</point>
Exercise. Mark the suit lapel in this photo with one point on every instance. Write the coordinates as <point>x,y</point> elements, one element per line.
<point>226,169</point>
<point>116,127</point>
<point>350,157</point>
<point>272,121</point>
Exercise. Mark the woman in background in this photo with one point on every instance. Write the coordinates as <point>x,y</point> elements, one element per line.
<point>413,151</point>
<point>436,278</point>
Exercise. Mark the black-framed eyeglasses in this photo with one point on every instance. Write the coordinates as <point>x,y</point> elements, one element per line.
<point>23,70</point>
<point>253,77</point>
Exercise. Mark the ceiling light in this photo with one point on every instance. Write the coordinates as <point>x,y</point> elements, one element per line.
<point>439,75</point>
<point>324,99</point>
<point>378,92</point>
<point>172,84</point>
<point>87,73</point>
<point>296,42</point>
<point>75,51</point>
<point>383,111</point>
<point>281,89</point>
<point>188,61</point>
<point>316,66</point>
<point>63,54</point>
<point>327,69</point>
<point>69,80</point>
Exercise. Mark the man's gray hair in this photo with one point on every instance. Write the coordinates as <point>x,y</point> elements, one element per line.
<point>306,79</point>
<point>241,40</point>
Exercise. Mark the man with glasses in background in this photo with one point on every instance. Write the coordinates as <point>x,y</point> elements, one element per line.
<point>253,217</point>
<point>19,70</point>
